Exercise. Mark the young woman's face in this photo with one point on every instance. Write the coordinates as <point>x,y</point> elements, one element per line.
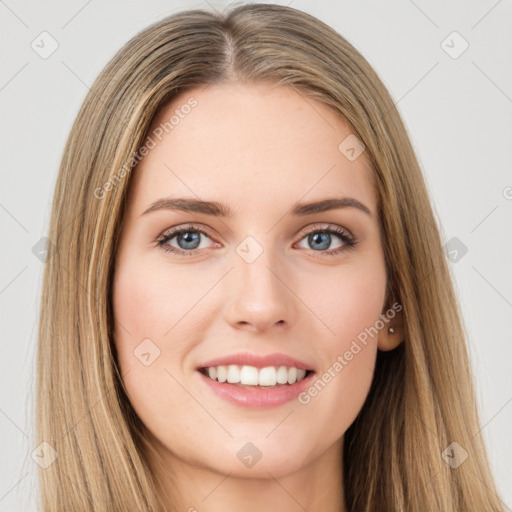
<point>264,280</point>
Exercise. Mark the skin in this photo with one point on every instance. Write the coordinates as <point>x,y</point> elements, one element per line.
<point>258,149</point>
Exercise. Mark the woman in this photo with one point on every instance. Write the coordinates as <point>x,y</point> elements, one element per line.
<point>248,306</point>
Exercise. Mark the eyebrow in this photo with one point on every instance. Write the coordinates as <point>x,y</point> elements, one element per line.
<point>220,210</point>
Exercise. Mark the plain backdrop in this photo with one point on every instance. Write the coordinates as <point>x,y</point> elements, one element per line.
<point>446,64</point>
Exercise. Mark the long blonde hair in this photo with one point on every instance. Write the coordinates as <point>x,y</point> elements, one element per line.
<point>422,398</point>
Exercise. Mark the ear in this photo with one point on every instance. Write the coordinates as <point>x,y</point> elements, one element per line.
<point>387,340</point>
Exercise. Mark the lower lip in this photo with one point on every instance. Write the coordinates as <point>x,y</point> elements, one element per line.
<point>257,397</point>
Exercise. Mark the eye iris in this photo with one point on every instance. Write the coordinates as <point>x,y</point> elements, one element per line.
<point>315,237</point>
<point>185,236</point>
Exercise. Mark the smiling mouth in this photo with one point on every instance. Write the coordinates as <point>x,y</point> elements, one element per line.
<point>256,378</point>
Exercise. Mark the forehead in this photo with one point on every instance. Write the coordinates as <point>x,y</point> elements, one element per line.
<point>248,146</point>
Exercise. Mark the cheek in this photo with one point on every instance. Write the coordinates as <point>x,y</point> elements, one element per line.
<point>149,302</point>
<point>349,304</point>
<point>156,308</point>
<point>148,307</point>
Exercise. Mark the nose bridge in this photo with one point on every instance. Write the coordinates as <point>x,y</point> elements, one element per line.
<point>259,295</point>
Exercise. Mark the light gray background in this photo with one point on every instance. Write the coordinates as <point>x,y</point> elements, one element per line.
<point>457,110</point>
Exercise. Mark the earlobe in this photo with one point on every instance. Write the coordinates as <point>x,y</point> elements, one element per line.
<point>389,340</point>
<point>392,334</point>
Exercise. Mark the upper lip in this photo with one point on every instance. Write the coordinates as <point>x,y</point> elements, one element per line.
<point>259,361</point>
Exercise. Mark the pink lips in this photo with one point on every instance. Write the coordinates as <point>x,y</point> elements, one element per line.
<point>257,397</point>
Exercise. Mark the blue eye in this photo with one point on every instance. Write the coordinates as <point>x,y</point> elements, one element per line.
<point>320,240</point>
<point>188,239</point>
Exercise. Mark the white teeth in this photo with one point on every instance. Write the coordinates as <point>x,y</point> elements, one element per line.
<point>282,375</point>
<point>267,376</point>
<point>252,376</point>
<point>249,375</point>
<point>292,375</point>
<point>233,374</point>
<point>222,373</point>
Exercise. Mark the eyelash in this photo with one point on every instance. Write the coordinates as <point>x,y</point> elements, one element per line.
<point>349,241</point>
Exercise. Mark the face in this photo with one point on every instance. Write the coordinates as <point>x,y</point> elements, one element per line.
<point>263,280</point>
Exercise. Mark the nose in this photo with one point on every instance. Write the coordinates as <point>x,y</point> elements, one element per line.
<point>260,296</point>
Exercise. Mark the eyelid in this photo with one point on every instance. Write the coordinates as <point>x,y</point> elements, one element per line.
<point>324,227</point>
<point>316,226</point>
<point>349,240</point>
<point>200,228</point>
